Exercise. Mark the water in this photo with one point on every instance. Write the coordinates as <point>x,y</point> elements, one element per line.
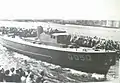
<point>55,73</point>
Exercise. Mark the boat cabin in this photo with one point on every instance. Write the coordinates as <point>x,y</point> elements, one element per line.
<point>55,39</point>
<point>61,38</point>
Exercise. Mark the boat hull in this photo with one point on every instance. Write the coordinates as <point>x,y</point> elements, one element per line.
<point>83,61</point>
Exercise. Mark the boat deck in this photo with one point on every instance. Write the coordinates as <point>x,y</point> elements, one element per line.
<point>42,45</point>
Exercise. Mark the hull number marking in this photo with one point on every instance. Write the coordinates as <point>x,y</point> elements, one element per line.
<point>82,57</point>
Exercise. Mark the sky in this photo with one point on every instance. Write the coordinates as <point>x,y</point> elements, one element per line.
<point>60,9</point>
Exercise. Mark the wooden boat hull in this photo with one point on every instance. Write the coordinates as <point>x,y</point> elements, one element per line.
<point>98,62</point>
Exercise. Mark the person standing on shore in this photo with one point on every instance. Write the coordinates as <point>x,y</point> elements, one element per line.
<point>7,77</point>
<point>2,75</point>
<point>30,79</point>
<point>16,77</point>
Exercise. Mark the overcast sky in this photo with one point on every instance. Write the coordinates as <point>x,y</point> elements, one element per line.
<point>61,9</point>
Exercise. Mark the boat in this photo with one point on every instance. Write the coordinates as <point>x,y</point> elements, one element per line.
<point>54,48</point>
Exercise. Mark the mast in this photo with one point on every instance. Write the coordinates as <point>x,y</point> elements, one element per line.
<point>39,31</point>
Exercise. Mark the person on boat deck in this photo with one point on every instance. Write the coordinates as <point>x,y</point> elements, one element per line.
<point>73,39</point>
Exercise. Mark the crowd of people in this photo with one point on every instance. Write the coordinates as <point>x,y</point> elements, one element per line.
<point>77,41</point>
<point>95,42</point>
<point>22,32</point>
<point>21,76</point>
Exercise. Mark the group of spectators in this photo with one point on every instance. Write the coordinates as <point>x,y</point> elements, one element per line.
<point>95,42</point>
<point>22,32</point>
<point>21,76</point>
<point>84,41</point>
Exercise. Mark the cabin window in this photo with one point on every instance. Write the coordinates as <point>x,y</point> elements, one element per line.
<point>53,37</point>
<point>60,39</point>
